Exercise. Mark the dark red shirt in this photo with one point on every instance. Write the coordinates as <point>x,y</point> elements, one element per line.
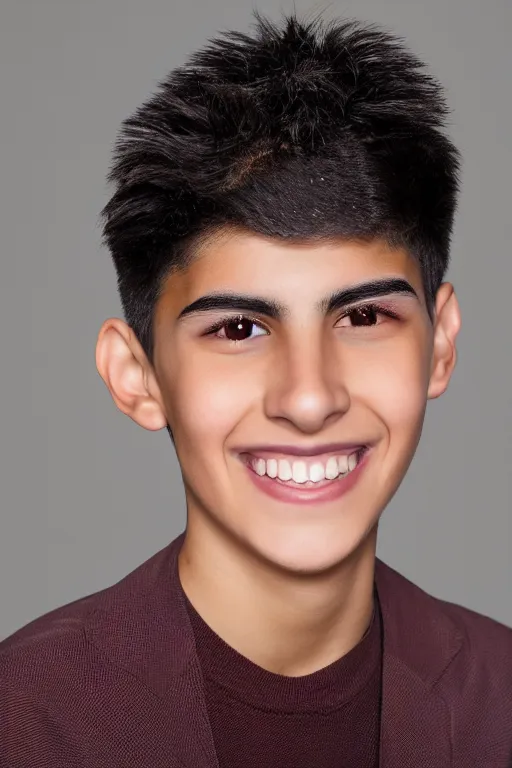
<point>328,719</point>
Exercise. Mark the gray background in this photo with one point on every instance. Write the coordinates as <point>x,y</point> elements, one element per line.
<point>86,495</point>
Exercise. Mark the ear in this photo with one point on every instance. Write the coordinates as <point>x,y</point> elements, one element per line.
<point>446,328</point>
<point>125,369</point>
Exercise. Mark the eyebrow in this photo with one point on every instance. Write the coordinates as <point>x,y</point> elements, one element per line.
<point>273,309</point>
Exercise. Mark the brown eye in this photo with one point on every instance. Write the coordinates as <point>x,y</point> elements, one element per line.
<point>238,329</point>
<point>361,316</point>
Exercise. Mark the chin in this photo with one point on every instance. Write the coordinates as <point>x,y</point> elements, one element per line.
<point>307,553</point>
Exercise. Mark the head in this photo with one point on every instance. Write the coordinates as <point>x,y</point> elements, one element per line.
<point>280,229</point>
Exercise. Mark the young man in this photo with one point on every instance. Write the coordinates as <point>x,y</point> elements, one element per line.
<point>280,229</point>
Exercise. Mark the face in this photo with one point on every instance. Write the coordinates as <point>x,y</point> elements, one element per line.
<point>319,373</point>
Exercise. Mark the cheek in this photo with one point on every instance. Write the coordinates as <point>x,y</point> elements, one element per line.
<point>208,401</point>
<point>394,385</point>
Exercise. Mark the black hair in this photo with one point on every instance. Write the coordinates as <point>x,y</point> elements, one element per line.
<point>302,131</point>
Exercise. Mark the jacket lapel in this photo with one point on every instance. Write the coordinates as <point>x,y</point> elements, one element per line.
<point>192,745</point>
<point>415,728</point>
<point>419,642</point>
<point>141,625</point>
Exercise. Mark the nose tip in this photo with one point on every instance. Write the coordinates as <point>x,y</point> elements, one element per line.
<point>310,411</point>
<point>307,387</point>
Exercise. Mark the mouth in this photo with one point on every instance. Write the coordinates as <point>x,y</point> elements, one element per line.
<point>298,481</point>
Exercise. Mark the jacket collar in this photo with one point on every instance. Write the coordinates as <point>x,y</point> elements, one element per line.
<point>420,641</point>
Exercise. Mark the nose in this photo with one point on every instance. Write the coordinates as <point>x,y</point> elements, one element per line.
<point>306,387</point>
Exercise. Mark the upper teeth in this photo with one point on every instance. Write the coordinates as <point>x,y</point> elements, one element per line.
<point>301,471</point>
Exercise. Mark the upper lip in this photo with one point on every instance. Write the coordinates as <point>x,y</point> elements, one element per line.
<point>312,450</point>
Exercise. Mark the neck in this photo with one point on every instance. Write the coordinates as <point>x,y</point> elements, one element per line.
<point>287,623</point>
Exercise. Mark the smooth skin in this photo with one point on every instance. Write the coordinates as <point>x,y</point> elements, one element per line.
<point>288,586</point>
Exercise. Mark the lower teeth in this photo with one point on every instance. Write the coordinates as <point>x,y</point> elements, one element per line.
<point>309,483</point>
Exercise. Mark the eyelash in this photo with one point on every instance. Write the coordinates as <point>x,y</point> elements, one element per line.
<point>375,307</point>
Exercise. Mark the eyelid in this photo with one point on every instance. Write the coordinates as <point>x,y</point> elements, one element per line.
<point>222,321</point>
<point>388,309</point>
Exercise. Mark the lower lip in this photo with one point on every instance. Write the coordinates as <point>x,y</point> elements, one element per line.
<point>293,495</point>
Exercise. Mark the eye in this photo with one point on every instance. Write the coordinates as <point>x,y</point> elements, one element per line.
<point>235,328</point>
<point>365,316</point>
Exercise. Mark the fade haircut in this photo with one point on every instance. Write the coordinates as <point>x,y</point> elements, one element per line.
<point>303,131</point>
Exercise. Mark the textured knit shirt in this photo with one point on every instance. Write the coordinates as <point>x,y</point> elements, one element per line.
<point>259,719</point>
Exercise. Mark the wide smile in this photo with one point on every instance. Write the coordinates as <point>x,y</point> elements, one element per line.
<point>289,481</point>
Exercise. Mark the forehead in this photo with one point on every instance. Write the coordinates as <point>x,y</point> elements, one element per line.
<point>293,272</point>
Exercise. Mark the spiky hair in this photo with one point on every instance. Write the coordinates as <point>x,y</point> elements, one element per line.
<point>302,131</point>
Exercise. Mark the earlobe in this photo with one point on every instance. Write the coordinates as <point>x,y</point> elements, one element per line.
<point>122,364</point>
<point>446,328</point>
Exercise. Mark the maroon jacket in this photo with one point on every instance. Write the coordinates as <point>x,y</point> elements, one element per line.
<point>113,681</point>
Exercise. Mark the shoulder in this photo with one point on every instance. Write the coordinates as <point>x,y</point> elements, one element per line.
<point>462,630</point>
<point>44,668</point>
<point>65,676</point>
<point>460,658</point>
<point>423,627</point>
<point>141,610</point>
<point>60,639</point>
<point>50,644</point>
<point>480,631</point>
<point>486,652</point>
<point>477,686</point>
